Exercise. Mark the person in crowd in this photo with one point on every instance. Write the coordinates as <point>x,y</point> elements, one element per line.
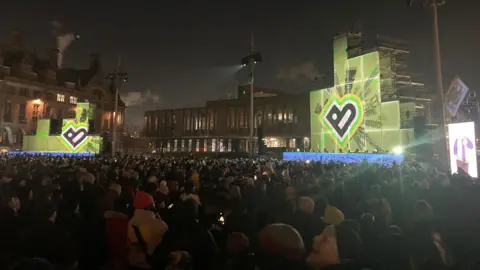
<point>160,212</point>
<point>145,231</point>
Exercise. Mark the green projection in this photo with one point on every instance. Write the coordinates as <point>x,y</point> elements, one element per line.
<point>74,137</point>
<point>43,127</point>
<point>350,116</point>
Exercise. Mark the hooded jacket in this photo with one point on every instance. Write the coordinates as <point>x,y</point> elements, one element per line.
<point>152,230</point>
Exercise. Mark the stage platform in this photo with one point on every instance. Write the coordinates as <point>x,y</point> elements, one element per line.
<point>70,154</point>
<point>386,159</point>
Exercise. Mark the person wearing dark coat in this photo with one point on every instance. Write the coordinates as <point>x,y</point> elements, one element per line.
<point>187,234</point>
<point>44,239</point>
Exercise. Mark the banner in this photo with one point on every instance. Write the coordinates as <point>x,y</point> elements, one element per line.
<point>455,95</point>
<point>463,152</point>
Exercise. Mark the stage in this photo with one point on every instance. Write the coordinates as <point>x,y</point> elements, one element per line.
<point>385,159</point>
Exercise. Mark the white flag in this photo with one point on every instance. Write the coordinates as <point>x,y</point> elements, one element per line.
<point>455,95</point>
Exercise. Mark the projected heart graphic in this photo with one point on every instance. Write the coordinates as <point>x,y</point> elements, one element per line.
<point>342,116</point>
<point>74,136</point>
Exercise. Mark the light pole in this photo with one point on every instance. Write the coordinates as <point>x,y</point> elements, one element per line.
<point>434,4</point>
<point>117,77</point>
<point>251,60</point>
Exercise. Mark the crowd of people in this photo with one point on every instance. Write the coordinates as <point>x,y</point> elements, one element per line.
<point>137,212</point>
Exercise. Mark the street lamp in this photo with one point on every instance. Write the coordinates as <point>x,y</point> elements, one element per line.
<point>117,78</point>
<point>434,4</point>
<point>251,60</point>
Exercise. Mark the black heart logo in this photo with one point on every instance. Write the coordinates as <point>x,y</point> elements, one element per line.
<point>75,136</point>
<point>341,118</point>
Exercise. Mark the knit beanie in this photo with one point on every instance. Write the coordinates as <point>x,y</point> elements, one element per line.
<point>290,193</point>
<point>162,188</point>
<point>116,188</point>
<point>142,200</point>
<point>152,179</point>
<point>237,242</point>
<point>282,240</point>
<point>306,205</point>
<point>422,211</point>
<point>333,216</point>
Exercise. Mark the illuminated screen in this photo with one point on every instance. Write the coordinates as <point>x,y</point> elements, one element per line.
<point>351,115</point>
<point>74,137</point>
<point>463,153</point>
<point>55,144</point>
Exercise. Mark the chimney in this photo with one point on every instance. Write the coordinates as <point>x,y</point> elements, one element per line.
<point>16,38</point>
<point>95,62</point>
<point>53,59</point>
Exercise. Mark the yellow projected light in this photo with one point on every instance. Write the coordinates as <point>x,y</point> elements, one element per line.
<point>74,137</point>
<point>342,116</point>
<point>351,115</point>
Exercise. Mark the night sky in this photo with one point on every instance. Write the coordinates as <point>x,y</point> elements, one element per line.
<point>183,52</point>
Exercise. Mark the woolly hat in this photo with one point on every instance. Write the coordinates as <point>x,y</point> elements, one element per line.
<point>281,240</point>
<point>162,188</point>
<point>306,205</point>
<point>142,200</point>
<point>116,188</point>
<point>237,242</point>
<point>422,211</point>
<point>290,193</point>
<point>333,216</point>
<point>249,181</point>
<point>179,260</point>
<point>190,196</point>
<point>152,179</point>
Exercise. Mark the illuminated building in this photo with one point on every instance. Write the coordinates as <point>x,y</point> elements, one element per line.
<point>373,102</point>
<point>32,88</point>
<point>223,125</point>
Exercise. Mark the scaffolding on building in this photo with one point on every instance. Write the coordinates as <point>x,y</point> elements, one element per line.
<point>399,82</point>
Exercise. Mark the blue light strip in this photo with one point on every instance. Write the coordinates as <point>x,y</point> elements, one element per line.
<point>52,154</point>
<point>385,159</point>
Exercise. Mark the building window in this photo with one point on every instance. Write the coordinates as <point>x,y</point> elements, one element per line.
<point>35,110</point>
<point>98,94</point>
<point>229,145</point>
<point>221,146</point>
<point>189,145</point>
<point>60,98</point>
<point>182,146</point>
<point>48,111</point>
<point>214,145</point>
<point>197,146</point>
<point>292,143</point>
<point>71,114</point>
<point>22,113</point>
<point>11,90</point>
<point>23,92</point>
<point>175,142</point>
<point>73,100</point>
<point>37,94</point>
<point>205,145</point>
<point>7,116</point>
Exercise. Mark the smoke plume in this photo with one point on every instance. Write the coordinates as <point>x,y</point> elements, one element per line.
<point>64,39</point>
<point>306,70</point>
<point>140,99</point>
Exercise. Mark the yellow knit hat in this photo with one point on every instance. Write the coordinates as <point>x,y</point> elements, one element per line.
<point>333,216</point>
